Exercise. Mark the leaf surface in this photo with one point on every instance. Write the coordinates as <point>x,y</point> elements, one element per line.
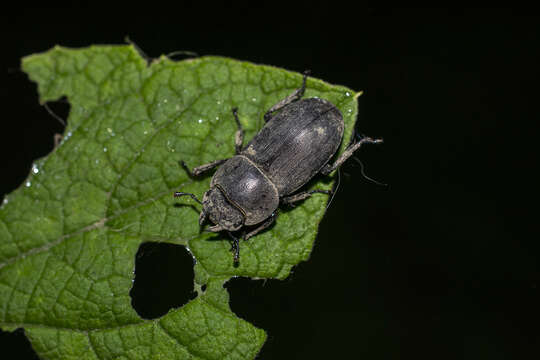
<point>69,234</point>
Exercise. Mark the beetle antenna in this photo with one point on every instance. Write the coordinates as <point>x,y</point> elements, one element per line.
<point>179,193</point>
<point>52,113</point>
<point>364,174</point>
<point>337,187</point>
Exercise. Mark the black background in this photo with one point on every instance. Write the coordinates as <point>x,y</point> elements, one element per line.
<point>442,263</point>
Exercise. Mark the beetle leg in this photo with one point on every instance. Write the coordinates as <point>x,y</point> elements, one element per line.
<point>327,169</point>
<point>236,243</point>
<point>235,247</point>
<point>296,95</point>
<point>263,226</point>
<point>202,217</point>
<point>239,138</point>
<point>203,168</point>
<point>214,228</point>
<point>289,200</point>
<point>179,193</point>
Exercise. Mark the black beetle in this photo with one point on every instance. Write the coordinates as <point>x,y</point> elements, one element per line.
<point>294,145</point>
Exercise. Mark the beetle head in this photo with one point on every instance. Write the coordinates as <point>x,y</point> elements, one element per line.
<point>221,212</point>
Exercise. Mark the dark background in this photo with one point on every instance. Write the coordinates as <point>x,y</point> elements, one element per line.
<point>442,263</point>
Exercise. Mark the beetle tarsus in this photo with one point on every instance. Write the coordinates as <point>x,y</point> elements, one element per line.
<point>290,200</point>
<point>302,89</point>
<point>263,226</point>
<point>235,248</point>
<point>179,194</point>
<point>327,169</point>
<point>201,169</point>
<point>185,167</point>
<point>294,96</point>
<point>239,137</point>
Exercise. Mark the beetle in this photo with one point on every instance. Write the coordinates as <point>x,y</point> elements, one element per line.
<point>299,138</point>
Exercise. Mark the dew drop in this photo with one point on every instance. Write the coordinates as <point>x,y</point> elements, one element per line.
<point>104,149</point>
<point>28,184</point>
<point>111,131</point>
<point>218,102</point>
<point>200,121</point>
<point>35,169</point>
<point>253,99</point>
<point>165,100</point>
<point>169,146</point>
<point>145,132</point>
<point>5,201</point>
<point>347,94</point>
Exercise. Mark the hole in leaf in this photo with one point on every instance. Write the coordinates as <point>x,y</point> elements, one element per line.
<point>203,288</point>
<point>273,306</point>
<point>15,345</point>
<point>163,279</point>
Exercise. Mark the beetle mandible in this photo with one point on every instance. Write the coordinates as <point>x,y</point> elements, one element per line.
<point>297,141</point>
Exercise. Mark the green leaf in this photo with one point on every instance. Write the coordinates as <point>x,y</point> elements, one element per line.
<point>69,234</point>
